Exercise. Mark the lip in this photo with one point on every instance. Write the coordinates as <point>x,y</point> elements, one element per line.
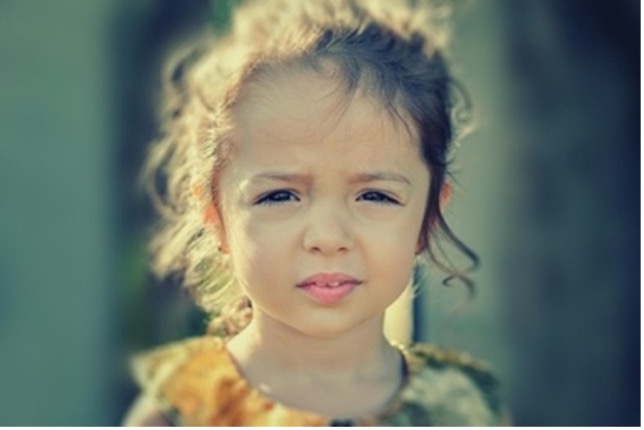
<point>329,288</point>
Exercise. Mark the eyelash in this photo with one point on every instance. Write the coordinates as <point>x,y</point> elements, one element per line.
<point>379,198</point>
<point>277,197</point>
<point>283,196</point>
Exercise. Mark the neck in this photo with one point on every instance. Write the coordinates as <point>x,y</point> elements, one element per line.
<point>348,374</point>
<point>355,354</point>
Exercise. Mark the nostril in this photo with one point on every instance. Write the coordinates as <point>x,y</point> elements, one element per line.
<point>327,242</point>
<point>327,231</point>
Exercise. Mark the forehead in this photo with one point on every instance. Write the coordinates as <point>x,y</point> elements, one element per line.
<point>295,111</point>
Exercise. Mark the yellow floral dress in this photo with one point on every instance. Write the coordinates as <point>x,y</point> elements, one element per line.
<point>196,383</point>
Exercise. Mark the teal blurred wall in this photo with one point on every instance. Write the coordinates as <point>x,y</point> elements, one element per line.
<point>481,169</point>
<point>550,199</point>
<point>57,213</point>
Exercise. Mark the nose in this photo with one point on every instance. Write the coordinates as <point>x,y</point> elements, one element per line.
<point>327,232</point>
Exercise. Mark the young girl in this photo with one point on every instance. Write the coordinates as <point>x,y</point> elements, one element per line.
<point>301,173</point>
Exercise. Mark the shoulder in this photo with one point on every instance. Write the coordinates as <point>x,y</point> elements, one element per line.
<point>166,374</point>
<point>196,383</point>
<point>477,371</point>
<point>145,412</point>
<point>152,367</point>
<point>452,388</point>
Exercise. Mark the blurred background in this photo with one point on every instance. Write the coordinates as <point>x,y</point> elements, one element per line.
<point>548,195</point>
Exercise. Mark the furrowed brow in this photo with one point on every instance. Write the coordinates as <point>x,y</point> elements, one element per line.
<point>382,176</point>
<point>279,177</point>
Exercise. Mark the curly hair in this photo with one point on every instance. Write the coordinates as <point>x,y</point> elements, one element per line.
<point>398,51</point>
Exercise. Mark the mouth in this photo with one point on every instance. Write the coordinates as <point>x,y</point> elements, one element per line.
<point>329,288</point>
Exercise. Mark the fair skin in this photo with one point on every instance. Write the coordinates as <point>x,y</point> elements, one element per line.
<point>317,183</point>
<point>320,184</point>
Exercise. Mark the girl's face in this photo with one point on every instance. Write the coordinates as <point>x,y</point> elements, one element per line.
<point>321,205</point>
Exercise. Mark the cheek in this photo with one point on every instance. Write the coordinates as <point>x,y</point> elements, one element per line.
<point>399,259</point>
<point>257,252</point>
<point>392,252</point>
<point>399,235</point>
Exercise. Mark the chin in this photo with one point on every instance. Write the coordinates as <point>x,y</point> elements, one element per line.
<point>327,328</point>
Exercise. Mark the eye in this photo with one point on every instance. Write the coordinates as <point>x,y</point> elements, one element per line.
<point>378,197</point>
<point>277,197</point>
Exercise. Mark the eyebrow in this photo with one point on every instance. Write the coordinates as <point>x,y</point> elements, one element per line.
<point>280,176</point>
<point>384,175</point>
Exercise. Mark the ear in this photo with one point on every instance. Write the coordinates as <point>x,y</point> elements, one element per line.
<point>446,194</point>
<point>212,216</point>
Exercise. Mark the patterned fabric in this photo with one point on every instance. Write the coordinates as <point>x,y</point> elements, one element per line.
<point>196,383</point>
